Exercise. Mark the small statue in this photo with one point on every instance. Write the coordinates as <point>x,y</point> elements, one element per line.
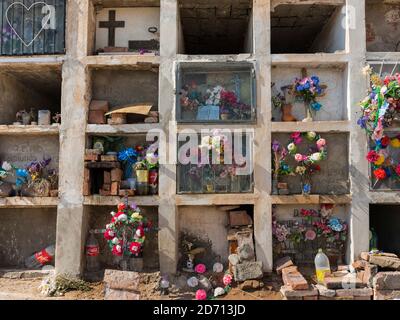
<point>57,118</point>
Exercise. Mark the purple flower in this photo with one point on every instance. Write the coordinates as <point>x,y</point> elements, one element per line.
<point>276,146</point>
<point>362,122</point>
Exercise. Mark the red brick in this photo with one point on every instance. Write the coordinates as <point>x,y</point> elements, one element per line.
<point>116,175</point>
<point>86,174</point>
<point>126,192</point>
<point>365,256</point>
<point>91,157</point>
<point>107,187</point>
<point>239,218</point>
<point>104,193</point>
<point>283,263</point>
<point>107,177</point>
<point>86,188</point>
<point>290,269</point>
<point>295,281</point>
<point>359,264</point>
<point>311,298</point>
<point>96,117</point>
<point>99,105</point>
<point>53,193</point>
<point>109,158</point>
<point>114,188</point>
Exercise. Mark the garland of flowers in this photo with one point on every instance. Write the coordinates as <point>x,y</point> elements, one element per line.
<point>379,109</point>
<point>125,234</point>
<point>307,164</point>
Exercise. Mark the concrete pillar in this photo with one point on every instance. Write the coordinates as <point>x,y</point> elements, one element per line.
<point>168,212</point>
<point>74,103</point>
<point>357,87</point>
<point>262,158</point>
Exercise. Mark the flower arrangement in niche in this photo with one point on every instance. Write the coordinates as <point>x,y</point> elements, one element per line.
<point>380,110</point>
<point>40,177</point>
<point>307,164</point>
<point>125,234</point>
<point>281,168</point>
<point>307,90</point>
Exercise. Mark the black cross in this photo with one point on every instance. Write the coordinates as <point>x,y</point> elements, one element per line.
<point>111,25</point>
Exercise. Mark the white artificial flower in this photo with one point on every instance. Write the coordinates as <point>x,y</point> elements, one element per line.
<point>115,240</point>
<point>112,213</point>
<point>6,166</point>
<point>291,146</point>
<point>311,135</point>
<point>123,217</point>
<point>316,156</point>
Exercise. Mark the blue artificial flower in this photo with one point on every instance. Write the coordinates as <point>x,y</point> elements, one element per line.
<point>316,106</point>
<point>388,172</point>
<point>318,90</point>
<point>307,85</point>
<point>306,188</point>
<point>335,224</point>
<point>285,167</point>
<point>21,177</point>
<point>127,155</point>
<point>299,88</point>
<point>315,80</point>
<point>362,122</point>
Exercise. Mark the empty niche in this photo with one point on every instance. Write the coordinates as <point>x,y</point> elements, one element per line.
<point>25,232</point>
<point>307,28</point>
<point>382,26</point>
<point>29,89</point>
<point>212,27</point>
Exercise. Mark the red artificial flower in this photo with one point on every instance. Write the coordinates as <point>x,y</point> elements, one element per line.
<point>387,80</point>
<point>397,169</point>
<point>385,141</point>
<point>135,248</point>
<point>372,156</point>
<point>109,234</point>
<point>380,174</point>
<point>121,207</point>
<point>117,250</point>
<point>140,232</point>
<point>296,137</point>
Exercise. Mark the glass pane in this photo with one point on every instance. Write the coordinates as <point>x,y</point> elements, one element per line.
<point>216,94</point>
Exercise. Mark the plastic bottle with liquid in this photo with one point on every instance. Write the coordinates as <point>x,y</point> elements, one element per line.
<point>92,253</point>
<point>322,266</point>
<point>41,258</point>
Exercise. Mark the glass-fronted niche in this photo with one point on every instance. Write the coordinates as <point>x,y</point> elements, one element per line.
<point>216,92</point>
<point>215,162</point>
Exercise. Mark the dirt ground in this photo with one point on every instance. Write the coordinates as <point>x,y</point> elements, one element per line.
<point>27,289</point>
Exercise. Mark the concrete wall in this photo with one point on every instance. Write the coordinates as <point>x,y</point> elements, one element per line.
<point>334,175</point>
<point>24,232</point>
<point>121,87</point>
<point>333,102</point>
<point>24,149</point>
<point>137,22</point>
<point>332,37</point>
<point>207,223</point>
<point>382,24</point>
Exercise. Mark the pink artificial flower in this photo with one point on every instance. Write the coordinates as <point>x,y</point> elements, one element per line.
<point>310,235</point>
<point>321,143</point>
<point>298,157</point>
<point>201,294</point>
<point>227,279</point>
<point>296,137</point>
<point>200,268</point>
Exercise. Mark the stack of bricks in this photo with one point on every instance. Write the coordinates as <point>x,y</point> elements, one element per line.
<point>339,285</point>
<point>97,111</point>
<point>381,272</point>
<point>295,285</point>
<point>111,182</point>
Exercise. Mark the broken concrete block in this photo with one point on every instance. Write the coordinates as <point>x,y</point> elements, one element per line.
<point>386,294</point>
<point>248,271</point>
<point>295,280</point>
<point>324,292</point>
<point>251,285</point>
<point>113,294</point>
<point>239,218</point>
<point>387,281</point>
<point>121,280</point>
<point>361,292</point>
<point>283,263</point>
<point>289,293</point>
<point>385,261</point>
<point>233,259</point>
<point>364,256</point>
<point>370,271</point>
<point>245,249</point>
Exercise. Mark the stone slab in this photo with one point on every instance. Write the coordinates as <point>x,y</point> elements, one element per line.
<point>288,292</point>
<point>248,271</point>
<point>113,294</point>
<point>369,273</point>
<point>342,282</point>
<point>361,292</point>
<point>386,294</point>
<point>385,261</point>
<point>121,280</point>
<point>387,281</point>
<point>324,291</point>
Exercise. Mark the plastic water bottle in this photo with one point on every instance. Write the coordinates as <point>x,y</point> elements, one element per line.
<point>92,250</point>
<point>322,266</point>
<point>41,258</point>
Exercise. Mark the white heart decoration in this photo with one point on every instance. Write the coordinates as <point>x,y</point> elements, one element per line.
<point>28,9</point>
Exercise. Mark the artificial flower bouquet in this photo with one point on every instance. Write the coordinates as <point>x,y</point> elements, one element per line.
<point>125,234</point>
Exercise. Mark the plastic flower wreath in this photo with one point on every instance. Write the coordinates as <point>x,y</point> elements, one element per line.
<point>125,234</point>
<point>128,156</point>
